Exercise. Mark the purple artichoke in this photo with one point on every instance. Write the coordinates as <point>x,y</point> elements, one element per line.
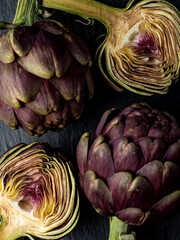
<point>131,168</point>
<point>45,77</point>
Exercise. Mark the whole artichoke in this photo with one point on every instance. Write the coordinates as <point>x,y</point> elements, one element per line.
<point>141,50</point>
<point>45,77</point>
<point>38,195</point>
<point>131,168</point>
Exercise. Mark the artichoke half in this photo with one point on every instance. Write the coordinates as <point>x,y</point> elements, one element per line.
<point>141,51</point>
<point>45,77</point>
<point>38,195</point>
<point>131,168</point>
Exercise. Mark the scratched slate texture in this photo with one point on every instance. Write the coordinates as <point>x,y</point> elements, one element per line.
<point>91,225</point>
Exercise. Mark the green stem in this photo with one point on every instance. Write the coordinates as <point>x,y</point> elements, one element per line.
<point>25,12</point>
<point>119,230</point>
<point>85,9</point>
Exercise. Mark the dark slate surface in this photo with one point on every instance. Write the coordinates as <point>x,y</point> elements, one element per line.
<point>91,225</point>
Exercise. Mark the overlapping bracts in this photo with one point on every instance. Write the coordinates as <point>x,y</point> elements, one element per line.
<point>131,167</point>
<point>45,77</point>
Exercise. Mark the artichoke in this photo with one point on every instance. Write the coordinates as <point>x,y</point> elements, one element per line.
<point>131,169</point>
<point>38,195</point>
<point>141,51</point>
<point>45,76</point>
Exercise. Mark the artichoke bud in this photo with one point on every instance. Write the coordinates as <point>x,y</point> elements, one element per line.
<point>43,69</point>
<point>38,195</point>
<point>131,168</point>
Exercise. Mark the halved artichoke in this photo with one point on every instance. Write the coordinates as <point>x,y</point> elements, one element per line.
<point>141,51</point>
<point>38,195</point>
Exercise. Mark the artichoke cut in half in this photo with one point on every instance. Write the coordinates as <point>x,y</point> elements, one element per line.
<point>38,195</point>
<point>141,51</point>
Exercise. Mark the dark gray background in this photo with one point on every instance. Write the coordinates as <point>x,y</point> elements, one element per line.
<point>91,225</point>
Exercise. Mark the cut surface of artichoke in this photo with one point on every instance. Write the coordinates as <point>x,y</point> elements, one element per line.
<point>149,67</point>
<point>38,196</point>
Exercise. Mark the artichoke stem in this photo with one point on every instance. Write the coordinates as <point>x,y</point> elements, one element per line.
<point>119,230</point>
<point>26,12</point>
<point>5,25</point>
<point>86,9</point>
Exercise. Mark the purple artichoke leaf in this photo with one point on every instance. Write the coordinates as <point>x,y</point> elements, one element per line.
<point>170,178</point>
<point>39,60</point>
<point>140,194</point>
<point>6,83</point>
<point>71,84</point>
<point>100,159</point>
<point>114,129</point>
<point>167,205</point>
<point>8,116</point>
<point>29,120</point>
<point>78,49</point>
<point>52,26</point>
<point>127,156</point>
<point>133,216</point>
<point>126,111</point>
<point>6,51</point>
<point>133,128</point>
<point>118,186</point>
<point>89,82</point>
<point>60,53</point>
<point>174,132</point>
<point>173,153</point>
<point>22,39</point>
<point>152,148</point>
<point>77,107</point>
<point>159,131</point>
<point>57,120</point>
<point>17,85</point>
<point>153,171</point>
<point>47,100</point>
<point>102,122</point>
<point>82,153</point>
<point>98,193</point>
<point>107,121</point>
